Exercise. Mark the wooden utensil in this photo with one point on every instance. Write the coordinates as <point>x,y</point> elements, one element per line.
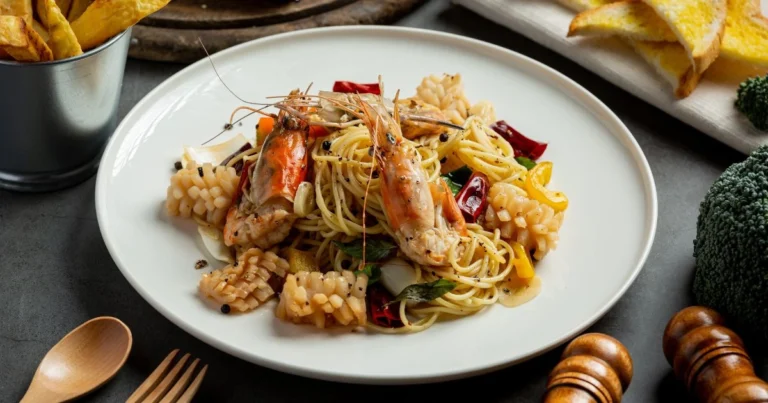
<point>162,384</point>
<point>595,368</point>
<point>83,360</point>
<point>710,358</point>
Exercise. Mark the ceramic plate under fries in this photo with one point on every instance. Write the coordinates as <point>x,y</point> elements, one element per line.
<point>604,241</point>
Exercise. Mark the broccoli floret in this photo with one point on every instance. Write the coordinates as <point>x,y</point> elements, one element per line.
<point>731,245</point>
<point>752,101</point>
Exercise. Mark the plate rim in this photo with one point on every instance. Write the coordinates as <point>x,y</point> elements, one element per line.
<point>623,135</point>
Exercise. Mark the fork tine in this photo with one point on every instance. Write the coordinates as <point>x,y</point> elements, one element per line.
<point>181,384</point>
<point>160,390</point>
<point>152,380</point>
<point>190,393</point>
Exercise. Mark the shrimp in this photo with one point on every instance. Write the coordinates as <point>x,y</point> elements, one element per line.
<point>417,118</point>
<point>424,216</point>
<point>263,215</point>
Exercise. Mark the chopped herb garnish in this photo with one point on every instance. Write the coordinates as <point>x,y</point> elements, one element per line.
<point>425,292</point>
<point>372,270</point>
<point>376,249</point>
<point>460,176</point>
<point>526,162</point>
<point>455,187</point>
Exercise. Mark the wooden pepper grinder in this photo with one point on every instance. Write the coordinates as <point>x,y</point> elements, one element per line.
<point>594,368</point>
<point>710,358</point>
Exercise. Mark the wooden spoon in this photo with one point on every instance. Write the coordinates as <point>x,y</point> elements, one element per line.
<point>83,360</point>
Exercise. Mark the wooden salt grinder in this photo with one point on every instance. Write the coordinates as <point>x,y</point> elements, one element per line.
<point>710,359</point>
<point>594,368</point>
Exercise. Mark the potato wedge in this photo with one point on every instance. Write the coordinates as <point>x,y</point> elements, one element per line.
<point>77,9</point>
<point>63,41</point>
<point>104,19</point>
<point>4,55</point>
<point>18,8</point>
<point>21,41</point>
<point>41,30</point>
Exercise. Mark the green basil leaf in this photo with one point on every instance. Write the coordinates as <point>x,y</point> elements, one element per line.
<point>376,249</point>
<point>372,270</point>
<point>460,176</point>
<point>425,292</point>
<point>455,187</point>
<point>526,162</point>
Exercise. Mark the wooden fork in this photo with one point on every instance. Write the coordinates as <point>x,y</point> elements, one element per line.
<point>157,385</point>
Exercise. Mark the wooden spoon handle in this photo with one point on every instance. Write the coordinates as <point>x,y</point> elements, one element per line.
<point>710,358</point>
<point>38,394</point>
<point>595,368</point>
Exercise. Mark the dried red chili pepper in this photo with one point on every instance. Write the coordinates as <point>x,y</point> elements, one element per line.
<point>349,86</point>
<point>242,183</point>
<point>473,197</point>
<point>382,314</point>
<point>523,145</point>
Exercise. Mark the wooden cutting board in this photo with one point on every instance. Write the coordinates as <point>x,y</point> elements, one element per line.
<point>172,33</point>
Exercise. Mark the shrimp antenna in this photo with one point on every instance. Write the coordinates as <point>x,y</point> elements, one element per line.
<point>396,110</point>
<point>219,76</point>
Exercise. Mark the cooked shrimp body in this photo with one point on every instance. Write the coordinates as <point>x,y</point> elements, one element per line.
<point>417,118</point>
<point>264,214</point>
<point>413,128</point>
<point>424,217</point>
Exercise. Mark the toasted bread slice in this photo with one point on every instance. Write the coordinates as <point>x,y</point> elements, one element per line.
<point>583,5</point>
<point>746,33</point>
<point>698,24</point>
<point>671,62</point>
<point>669,59</point>
<point>631,19</point>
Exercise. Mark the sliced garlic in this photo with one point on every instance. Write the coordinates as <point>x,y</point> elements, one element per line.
<point>304,203</point>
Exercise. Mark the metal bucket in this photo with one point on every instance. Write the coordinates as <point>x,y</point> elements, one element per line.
<point>56,117</point>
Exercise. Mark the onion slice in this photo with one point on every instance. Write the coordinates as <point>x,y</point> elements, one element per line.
<point>396,274</point>
<point>214,154</point>
<point>213,240</point>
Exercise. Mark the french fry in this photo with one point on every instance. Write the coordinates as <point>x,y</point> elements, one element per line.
<point>63,41</point>
<point>64,6</point>
<point>19,8</point>
<point>21,41</point>
<point>40,29</point>
<point>77,9</point>
<point>104,19</point>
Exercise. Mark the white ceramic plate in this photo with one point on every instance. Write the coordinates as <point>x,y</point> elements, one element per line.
<point>606,236</point>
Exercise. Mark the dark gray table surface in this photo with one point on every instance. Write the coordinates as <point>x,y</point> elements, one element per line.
<point>56,271</point>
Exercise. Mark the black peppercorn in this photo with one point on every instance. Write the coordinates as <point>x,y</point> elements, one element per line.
<point>225,308</point>
<point>326,145</point>
<point>177,165</point>
<point>444,137</point>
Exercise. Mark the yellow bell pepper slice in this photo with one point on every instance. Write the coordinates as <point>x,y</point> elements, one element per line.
<point>522,263</point>
<point>537,178</point>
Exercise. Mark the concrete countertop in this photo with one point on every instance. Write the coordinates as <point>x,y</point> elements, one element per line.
<point>57,273</point>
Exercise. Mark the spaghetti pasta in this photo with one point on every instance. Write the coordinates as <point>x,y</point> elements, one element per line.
<point>343,199</point>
